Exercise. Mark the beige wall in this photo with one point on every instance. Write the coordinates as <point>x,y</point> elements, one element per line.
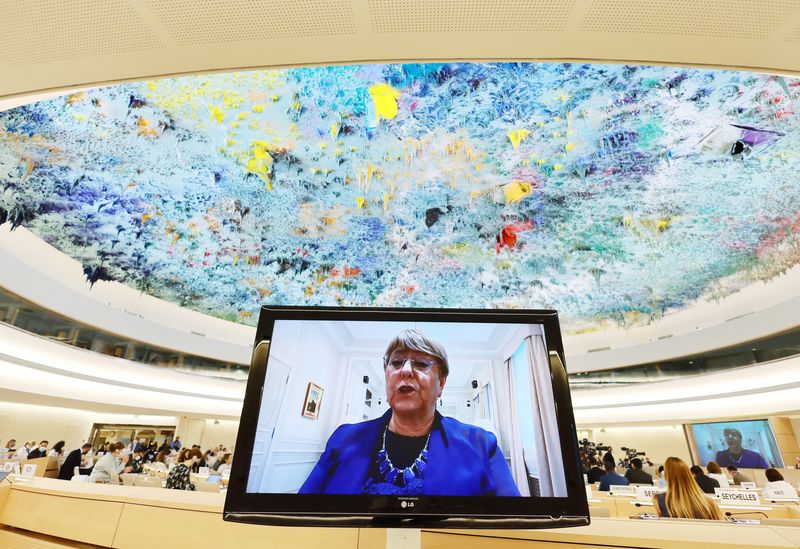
<point>659,441</point>
<point>785,434</point>
<point>223,432</point>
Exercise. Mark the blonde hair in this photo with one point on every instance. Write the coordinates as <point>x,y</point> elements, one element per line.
<point>684,498</point>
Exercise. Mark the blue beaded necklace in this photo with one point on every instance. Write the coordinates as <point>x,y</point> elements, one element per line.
<point>401,477</point>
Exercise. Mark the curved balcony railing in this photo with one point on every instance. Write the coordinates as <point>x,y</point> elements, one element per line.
<point>28,316</point>
<point>33,318</point>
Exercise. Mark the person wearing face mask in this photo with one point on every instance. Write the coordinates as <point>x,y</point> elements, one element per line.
<point>23,452</point>
<point>107,468</point>
<point>39,452</point>
<point>74,459</point>
<point>412,449</point>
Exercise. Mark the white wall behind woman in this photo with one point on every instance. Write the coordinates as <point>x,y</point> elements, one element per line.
<point>219,432</point>
<point>659,441</point>
<point>35,422</point>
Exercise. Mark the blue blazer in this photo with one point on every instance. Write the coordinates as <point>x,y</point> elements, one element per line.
<point>463,460</point>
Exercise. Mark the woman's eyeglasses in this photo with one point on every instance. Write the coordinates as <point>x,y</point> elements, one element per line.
<point>417,365</point>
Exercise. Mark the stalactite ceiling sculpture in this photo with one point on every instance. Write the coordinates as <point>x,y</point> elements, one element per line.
<point>614,194</point>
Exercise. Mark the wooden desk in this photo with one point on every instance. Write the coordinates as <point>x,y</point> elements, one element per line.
<point>121,516</point>
<point>608,533</point>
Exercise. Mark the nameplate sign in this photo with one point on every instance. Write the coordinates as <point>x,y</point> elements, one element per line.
<point>588,491</point>
<point>28,470</point>
<point>11,467</point>
<point>203,471</point>
<point>784,494</point>
<point>738,497</point>
<point>646,493</point>
<point>748,486</point>
<point>622,490</point>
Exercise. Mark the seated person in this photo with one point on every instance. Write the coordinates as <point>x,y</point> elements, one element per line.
<point>227,461</point>
<point>776,487</point>
<point>661,482</point>
<point>412,449</point>
<point>22,453</point>
<point>595,472</point>
<point>737,477</point>
<point>40,451</point>
<point>107,469</point>
<point>136,461</point>
<point>611,478</point>
<point>180,476</point>
<point>74,459</point>
<point>706,483</point>
<point>684,498</point>
<point>636,475</point>
<point>736,455</point>
<point>716,473</point>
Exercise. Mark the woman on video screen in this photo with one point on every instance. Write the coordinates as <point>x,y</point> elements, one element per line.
<point>412,449</point>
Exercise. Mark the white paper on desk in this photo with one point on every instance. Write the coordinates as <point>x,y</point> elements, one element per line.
<point>749,486</point>
<point>646,493</point>
<point>8,466</point>
<point>622,490</point>
<point>203,471</point>
<point>588,491</point>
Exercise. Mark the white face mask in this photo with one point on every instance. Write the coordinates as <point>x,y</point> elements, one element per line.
<point>42,448</point>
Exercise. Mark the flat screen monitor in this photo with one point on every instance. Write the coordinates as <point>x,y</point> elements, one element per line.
<point>745,444</point>
<point>407,417</point>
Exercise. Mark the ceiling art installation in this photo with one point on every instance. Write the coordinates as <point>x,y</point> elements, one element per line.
<point>614,194</point>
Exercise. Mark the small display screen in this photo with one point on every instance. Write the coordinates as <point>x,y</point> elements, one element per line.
<point>749,444</point>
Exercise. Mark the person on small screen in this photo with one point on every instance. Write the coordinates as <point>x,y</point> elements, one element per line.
<point>412,449</point>
<point>684,498</point>
<point>736,455</point>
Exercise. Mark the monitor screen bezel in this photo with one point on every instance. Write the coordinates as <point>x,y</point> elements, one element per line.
<point>426,511</point>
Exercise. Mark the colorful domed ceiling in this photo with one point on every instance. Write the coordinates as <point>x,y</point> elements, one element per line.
<point>613,194</point>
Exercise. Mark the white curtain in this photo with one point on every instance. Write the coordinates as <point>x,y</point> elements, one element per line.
<point>517,459</point>
<point>548,451</point>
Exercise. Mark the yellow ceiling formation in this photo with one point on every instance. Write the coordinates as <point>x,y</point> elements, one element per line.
<point>58,45</point>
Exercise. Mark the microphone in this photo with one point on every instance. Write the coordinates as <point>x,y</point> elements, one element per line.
<point>729,514</point>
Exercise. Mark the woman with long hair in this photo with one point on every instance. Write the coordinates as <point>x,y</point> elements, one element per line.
<point>684,498</point>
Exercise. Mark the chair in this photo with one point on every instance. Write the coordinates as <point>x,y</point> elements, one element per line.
<point>150,482</point>
<point>207,487</point>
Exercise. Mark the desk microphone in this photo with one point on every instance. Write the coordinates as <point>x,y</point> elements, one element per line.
<point>729,514</point>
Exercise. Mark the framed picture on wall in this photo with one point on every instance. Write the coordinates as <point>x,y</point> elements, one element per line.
<point>312,401</point>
